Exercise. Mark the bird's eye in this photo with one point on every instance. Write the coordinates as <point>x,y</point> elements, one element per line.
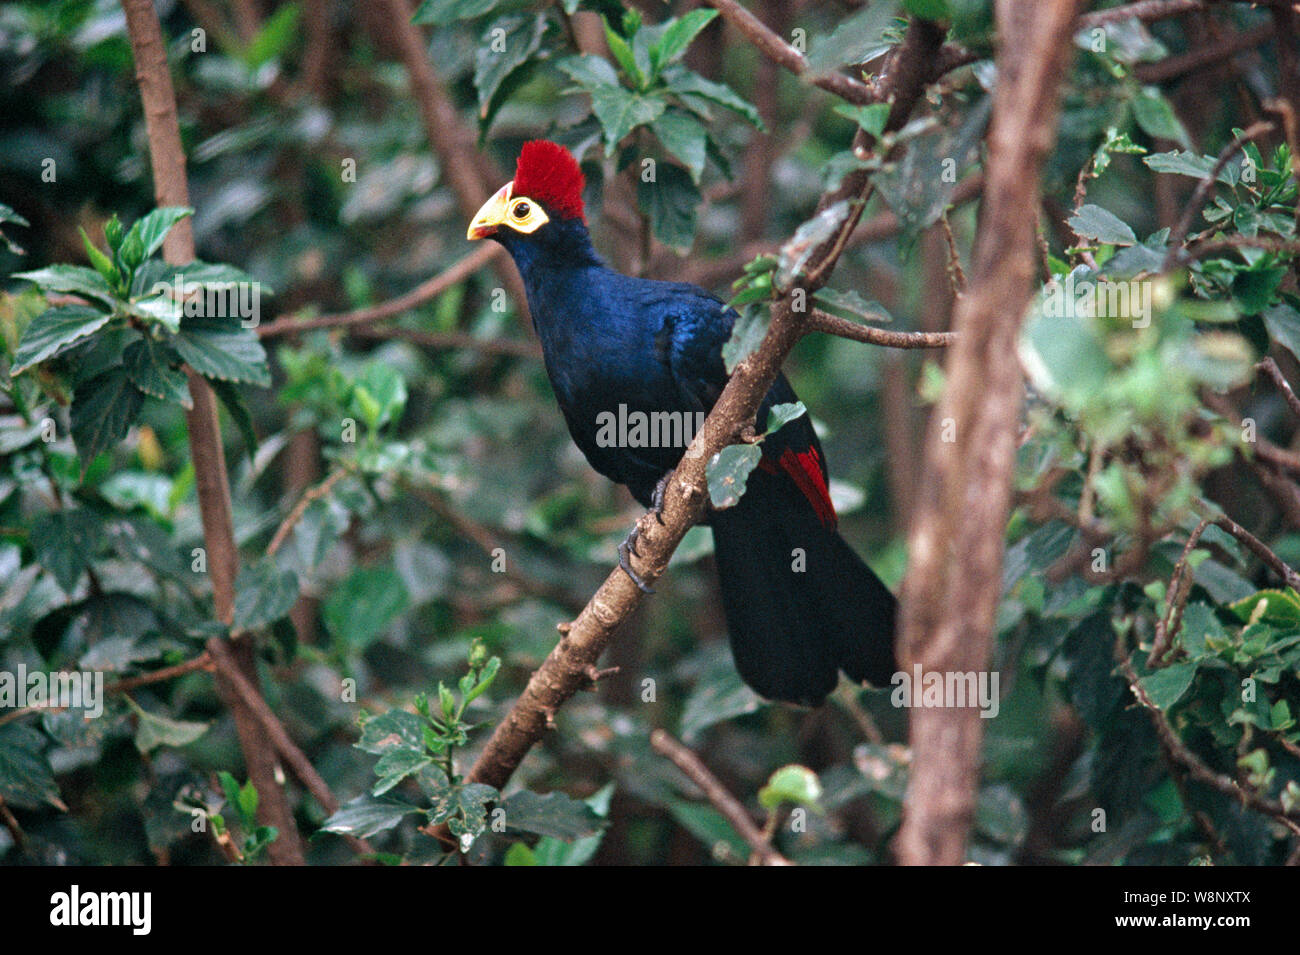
<point>521,210</point>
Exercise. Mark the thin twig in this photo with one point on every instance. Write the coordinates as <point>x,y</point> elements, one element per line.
<point>311,494</point>
<point>819,321</point>
<point>1269,367</point>
<point>718,797</point>
<point>1203,189</point>
<point>429,289</point>
<point>514,347</point>
<point>1180,588</point>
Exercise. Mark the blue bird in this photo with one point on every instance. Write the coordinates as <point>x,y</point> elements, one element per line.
<point>629,360</point>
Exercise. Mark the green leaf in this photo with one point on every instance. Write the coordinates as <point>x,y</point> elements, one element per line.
<point>1283,323</point>
<point>394,728</point>
<point>396,764</point>
<point>555,852</point>
<point>780,415</point>
<point>102,263</point>
<point>621,111</point>
<point>686,138</point>
<point>464,809</point>
<point>1157,118</point>
<point>1182,164</point>
<point>746,335</point>
<point>729,470</point>
<point>799,248</point>
<point>151,229</point>
<point>72,279</point>
<point>855,39</point>
<point>797,785</point>
<point>26,779</point>
<point>687,85</point>
<point>711,828</point>
<point>1279,608</point>
<point>1094,222</point>
<point>847,303</point>
<point>1254,289</point>
<point>153,731</point>
<point>519,855</point>
<point>669,42</point>
<point>366,816</point>
<point>273,39</point>
<point>8,215</point>
<point>66,542</point>
<point>719,694</point>
<point>149,363</point>
<point>623,55</point>
<point>1166,687</point>
<point>264,593</point>
<point>556,815</point>
<point>363,604</point>
<point>505,46</point>
<point>160,310</point>
<point>671,202</point>
<point>217,349</point>
<point>103,410</point>
<point>871,118</point>
<point>386,388</point>
<point>589,71</point>
<point>54,331</point>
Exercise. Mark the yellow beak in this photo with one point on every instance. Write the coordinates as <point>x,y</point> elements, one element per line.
<point>492,215</point>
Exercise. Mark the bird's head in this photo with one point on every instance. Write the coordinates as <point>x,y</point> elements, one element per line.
<point>542,201</point>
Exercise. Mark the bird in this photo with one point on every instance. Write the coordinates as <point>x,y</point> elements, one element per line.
<point>800,604</point>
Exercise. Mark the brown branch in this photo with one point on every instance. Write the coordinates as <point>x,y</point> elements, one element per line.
<point>566,669</point>
<point>1178,752</point>
<point>471,175</point>
<point>1145,10</point>
<point>1199,250</point>
<point>786,56</point>
<point>1259,549</point>
<point>954,576</point>
<point>431,288</point>
<point>1203,189</point>
<point>1180,588</point>
<point>167,160</point>
<point>1172,67</point>
<point>294,516</point>
<point>718,797</point>
<point>819,321</point>
<point>1269,367</point>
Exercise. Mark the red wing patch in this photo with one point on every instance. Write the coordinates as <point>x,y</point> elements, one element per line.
<point>804,468</point>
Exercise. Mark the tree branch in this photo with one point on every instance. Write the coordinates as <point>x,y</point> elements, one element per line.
<point>167,159</point>
<point>819,321</point>
<point>958,533</point>
<point>719,797</point>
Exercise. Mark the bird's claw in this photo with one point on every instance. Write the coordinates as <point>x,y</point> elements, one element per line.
<point>657,497</point>
<point>627,548</point>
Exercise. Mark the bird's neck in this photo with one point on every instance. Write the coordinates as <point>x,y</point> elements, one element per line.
<point>555,264</point>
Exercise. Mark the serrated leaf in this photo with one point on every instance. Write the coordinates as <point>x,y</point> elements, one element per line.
<point>102,263</point>
<point>1094,222</point>
<point>215,348</point>
<point>671,202</point>
<point>26,779</point>
<point>780,415</point>
<point>728,472</point>
<point>73,279</point>
<point>1157,118</point>
<point>871,118</point>
<point>394,728</point>
<point>366,816</point>
<point>620,111</point>
<point>150,230</point>
<point>363,604</point>
<point>687,84</point>
<point>149,364</point>
<point>555,815</point>
<point>505,46</point>
<point>747,334</point>
<point>396,764</point>
<point>1166,687</point>
<point>1279,608</point>
<point>669,42</point>
<point>153,730</point>
<point>103,410</point>
<point>160,309</point>
<point>686,138</point>
<point>589,71</point>
<point>1283,323</point>
<point>66,542</point>
<point>54,331</point>
<point>264,593</point>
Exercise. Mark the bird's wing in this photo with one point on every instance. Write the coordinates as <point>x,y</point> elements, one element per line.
<point>691,340</point>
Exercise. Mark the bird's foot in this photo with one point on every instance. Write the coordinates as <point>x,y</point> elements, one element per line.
<point>657,497</point>
<point>627,548</point>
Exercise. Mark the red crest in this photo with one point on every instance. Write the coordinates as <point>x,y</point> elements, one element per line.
<point>548,173</point>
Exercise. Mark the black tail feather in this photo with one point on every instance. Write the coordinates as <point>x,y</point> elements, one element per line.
<point>800,604</point>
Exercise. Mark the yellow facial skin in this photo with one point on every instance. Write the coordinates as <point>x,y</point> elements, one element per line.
<point>503,209</point>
